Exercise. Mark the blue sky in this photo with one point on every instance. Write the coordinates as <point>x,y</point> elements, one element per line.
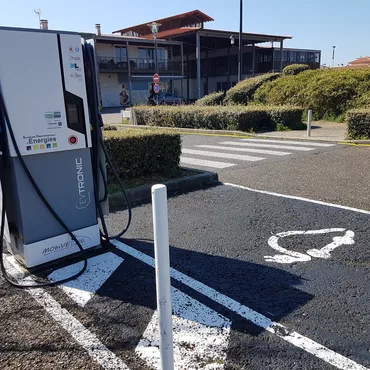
<point>315,24</point>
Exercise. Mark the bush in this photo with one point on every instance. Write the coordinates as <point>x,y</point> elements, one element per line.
<point>358,124</point>
<point>215,98</point>
<point>251,118</point>
<point>143,152</point>
<point>328,92</point>
<point>109,128</point>
<point>294,69</point>
<point>243,91</point>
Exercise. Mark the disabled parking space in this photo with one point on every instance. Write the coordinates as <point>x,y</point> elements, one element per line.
<point>259,281</point>
<point>222,237</point>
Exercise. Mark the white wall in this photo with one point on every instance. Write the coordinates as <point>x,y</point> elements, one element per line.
<point>110,89</point>
<point>107,50</point>
<point>104,50</point>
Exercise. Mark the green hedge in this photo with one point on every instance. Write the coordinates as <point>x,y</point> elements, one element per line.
<point>294,69</point>
<point>328,92</point>
<point>243,91</point>
<point>215,98</point>
<point>250,118</point>
<point>358,124</point>
<point>138,153</point>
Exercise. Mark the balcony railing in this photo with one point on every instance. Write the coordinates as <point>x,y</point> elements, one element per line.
<point>165,66</point>
<point>139,65</point>
<point>110,64</point>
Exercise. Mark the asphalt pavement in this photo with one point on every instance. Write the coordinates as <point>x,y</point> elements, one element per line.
<point>335,173</point>
<point>259,280</point>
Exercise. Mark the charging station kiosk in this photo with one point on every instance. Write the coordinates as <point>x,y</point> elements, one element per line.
<point>42,82</point>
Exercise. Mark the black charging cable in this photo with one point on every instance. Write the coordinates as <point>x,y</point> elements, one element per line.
<point>97,123</point>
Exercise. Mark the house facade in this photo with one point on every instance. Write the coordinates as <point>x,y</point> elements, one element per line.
<point>192,60</point>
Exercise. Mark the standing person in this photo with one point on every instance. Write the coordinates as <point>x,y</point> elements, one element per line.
<point>123,97</point>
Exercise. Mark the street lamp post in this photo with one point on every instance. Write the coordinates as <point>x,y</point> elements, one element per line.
<point>154,26</point>
<point>240,56</point>
<point>333,57</point>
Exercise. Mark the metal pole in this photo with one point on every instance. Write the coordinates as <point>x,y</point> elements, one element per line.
<point>333,57</point>
<point>253,60</point>
<point>155,59</point>
<point>129,74</point>
<point>240,56</point>
<point>162,273</point>
<point>198,63</point>
<point>281,56</point>
<point>309,121</point>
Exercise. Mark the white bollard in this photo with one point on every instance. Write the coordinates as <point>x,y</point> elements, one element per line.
<point>162,274</point>
<point>309,121</point>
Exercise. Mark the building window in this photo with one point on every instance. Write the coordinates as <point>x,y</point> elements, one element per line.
<point>286,56</point>
<point>310,57</point>
<point>148,53</point>
<point>120,53</point>
<point>302,56</point>
<point>293,56</point>
<point>317,57</point>
<point>277,56</point>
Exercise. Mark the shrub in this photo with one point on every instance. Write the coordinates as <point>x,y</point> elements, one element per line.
<point>109,128</point>
<point>143,152</point>
<point>286,117</point>
<point>358,124</point>
<point>215,98</point>
<point>251,118</point>
<point>328,92</point>
<point>243,91</point>
<point>294,69</point>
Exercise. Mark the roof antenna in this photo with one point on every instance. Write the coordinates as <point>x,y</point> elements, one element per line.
<point>38,13</point>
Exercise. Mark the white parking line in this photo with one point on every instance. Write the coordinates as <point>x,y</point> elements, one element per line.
<point>200,335</point>
<point>246,143</point>
<point>205,163</point>
<point>98,270</point>
<point>223,155</point>
<point>308,143</point>
<point>298,198</point>
<point>87,340</point>
<point>250,150</point>
<point>255,317</point>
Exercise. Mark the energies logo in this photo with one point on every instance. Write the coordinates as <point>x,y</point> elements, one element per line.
<point>84,197</point>
<point>83,240</point>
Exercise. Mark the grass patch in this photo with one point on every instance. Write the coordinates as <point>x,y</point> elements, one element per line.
<point>113,186</point>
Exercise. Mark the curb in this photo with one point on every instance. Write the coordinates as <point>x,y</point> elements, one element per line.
<point>142,194</point>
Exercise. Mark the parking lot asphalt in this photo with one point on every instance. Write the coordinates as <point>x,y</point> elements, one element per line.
<point>221,239</point>
<point>260,280</point>
<point>335,174</point>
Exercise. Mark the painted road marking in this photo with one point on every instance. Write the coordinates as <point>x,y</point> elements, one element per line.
<point>308,143</point>
<point>82,289</point>
<point>290,256</point>
<point>324,252</point>
<point>223,155</point>
<point>255,317</point>
<point>87,340</point>
<point>298,198</point>
<point>202,162</point>
<point>246,143</point>
<point>250,150</point>
<point>200,335</point>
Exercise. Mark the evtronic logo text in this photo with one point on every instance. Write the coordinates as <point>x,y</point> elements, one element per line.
<point>84,197</point>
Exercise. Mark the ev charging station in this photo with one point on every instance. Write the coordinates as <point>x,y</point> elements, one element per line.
<point>47,117</point>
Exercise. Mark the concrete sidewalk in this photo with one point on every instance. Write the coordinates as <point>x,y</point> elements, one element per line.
<point>326,131</point>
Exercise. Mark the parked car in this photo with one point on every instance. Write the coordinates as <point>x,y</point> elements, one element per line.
<point>166,98</point>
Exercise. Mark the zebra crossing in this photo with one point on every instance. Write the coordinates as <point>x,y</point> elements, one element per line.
<point>228,154</point>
